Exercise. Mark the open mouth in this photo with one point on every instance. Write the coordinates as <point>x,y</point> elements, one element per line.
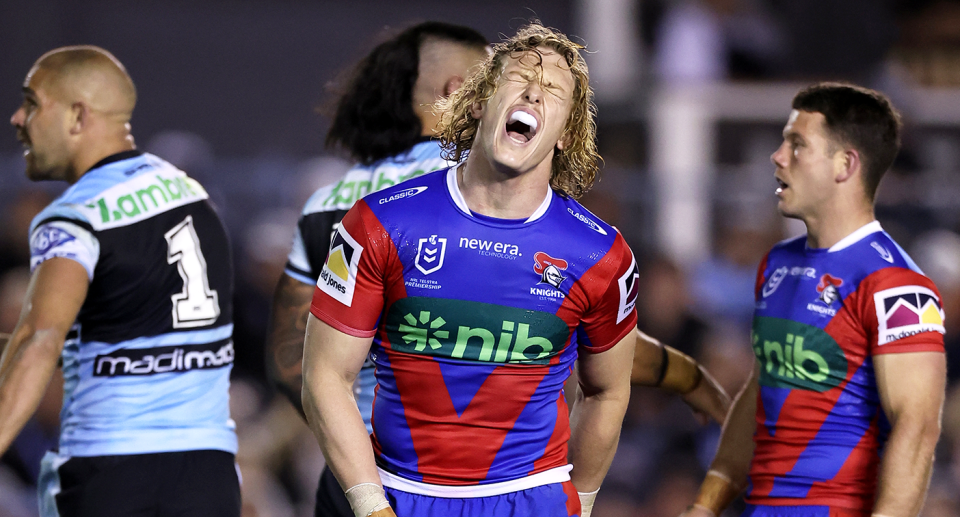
<point>521,126</point>
<point>781,185</point>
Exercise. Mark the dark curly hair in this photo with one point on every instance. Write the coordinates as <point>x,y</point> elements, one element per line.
<point>374,115</point>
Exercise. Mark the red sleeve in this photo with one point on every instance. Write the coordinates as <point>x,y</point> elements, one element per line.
<point>350,290</point>
<point>611,287</point>
<point>760,278</point>
<point>901,312</point>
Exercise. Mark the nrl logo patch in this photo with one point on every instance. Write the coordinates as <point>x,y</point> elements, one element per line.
<point>774,281</point>
<point>430,253</point>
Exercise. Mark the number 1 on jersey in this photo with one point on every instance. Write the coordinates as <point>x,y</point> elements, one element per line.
<point>197,304</point>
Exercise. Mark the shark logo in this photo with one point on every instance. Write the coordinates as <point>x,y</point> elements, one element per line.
<point>430,253</point>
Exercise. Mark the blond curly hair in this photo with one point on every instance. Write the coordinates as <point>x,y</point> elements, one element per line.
<point>575,167</point>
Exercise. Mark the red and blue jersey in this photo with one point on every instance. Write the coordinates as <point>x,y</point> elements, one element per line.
<point>476,324</point>
<point>821,316</point>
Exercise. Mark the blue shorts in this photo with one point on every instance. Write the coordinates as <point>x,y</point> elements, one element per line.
<point>799,511</point>
<point>553,500</point>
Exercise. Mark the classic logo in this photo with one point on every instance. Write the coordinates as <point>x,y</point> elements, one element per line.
<point>549,269</point>
<point>430,253</point>
<point>774,281</point>
<point>827,287</point>
<point>474,331</point>
<point>587,221</point>
<point>49,237</point>
<point>905,311</point>
<point>403,194</point>
<point>164,359</point>
<point>629,287</point>
<point>338,278</point>
<point>797,356</point>
<point>141,197</point>
<point>884,253</point>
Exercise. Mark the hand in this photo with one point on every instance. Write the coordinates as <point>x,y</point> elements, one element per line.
<point>697,511</point>
<point>708,400</point>
<point>386,512</point>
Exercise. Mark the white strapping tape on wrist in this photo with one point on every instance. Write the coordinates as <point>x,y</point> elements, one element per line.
<point>704,508</point>
<point>366,498</point>
<point>586,502</point>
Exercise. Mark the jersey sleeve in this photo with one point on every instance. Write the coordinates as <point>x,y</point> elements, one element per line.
<point>901,312</point>
<point>613,303</point>
<point>66,239</point>
<point>311,241</point>
<point>760,278</point>
<point>350,289</point>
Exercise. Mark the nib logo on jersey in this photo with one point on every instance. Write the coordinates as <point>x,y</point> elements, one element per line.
<point>905,311</point>
<point>797,356</point>
<point>474,331</point>
<point>338,278</point>
<point>550,270</point>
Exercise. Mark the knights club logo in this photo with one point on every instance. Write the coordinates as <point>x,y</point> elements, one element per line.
<point>827,287</point>
<point>430,253</point>
<point>549,269</point>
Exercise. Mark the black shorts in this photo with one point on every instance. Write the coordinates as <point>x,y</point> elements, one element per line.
<point>181,484</point>
<point>330,499</point>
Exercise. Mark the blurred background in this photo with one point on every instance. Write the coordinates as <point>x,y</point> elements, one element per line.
<point>692,96</point>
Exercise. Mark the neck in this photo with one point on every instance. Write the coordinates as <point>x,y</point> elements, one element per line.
<point>825,230</point>
<point>88,156</point>
<point>502,194</point>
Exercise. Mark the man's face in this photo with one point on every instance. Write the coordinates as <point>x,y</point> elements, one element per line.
<point>522,124</point>
<point>43,128</point>
<point>806,165</point>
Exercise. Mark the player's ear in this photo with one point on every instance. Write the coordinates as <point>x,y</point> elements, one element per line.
<point>849,165</point>
<point>452,84</point>
<point>476,109</point>
<point>77,117</point>
<point>565,141</point>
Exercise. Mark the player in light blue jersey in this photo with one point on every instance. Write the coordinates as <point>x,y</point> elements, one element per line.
<point>385,120</point>
<point>132,286</point>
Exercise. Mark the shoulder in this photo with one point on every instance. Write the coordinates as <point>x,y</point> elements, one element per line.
<point>580,222</point>
<point>426,188</point>
<point>129,191</point>
<point>361,180</point>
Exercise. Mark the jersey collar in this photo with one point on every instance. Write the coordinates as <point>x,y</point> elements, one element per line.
<point>856,236</point>
<point>461,203</point>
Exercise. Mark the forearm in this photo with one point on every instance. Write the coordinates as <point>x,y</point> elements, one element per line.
<point>906,466</point>
<point>288,320</point>
<point>26,366</point>
<point>731,465</point>
<point>332,413</point>
<point>595,430</point>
